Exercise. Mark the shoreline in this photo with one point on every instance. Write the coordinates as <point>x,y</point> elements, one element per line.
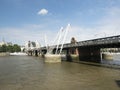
<point>4,54</point>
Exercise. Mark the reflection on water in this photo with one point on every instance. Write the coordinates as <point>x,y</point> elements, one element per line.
<point>114,61</point>
<point>31,73</point>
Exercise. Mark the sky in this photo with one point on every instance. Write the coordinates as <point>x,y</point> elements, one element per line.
<point>24,20</point>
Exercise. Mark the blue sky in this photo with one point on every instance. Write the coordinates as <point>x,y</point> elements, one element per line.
<point>23,20</point>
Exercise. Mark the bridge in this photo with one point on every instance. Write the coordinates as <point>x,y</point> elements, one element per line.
<point>89,50</point>
<point>101,42</point>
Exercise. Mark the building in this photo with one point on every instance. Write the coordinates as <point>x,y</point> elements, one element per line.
<point>30,45</point>
<point>2,43</point>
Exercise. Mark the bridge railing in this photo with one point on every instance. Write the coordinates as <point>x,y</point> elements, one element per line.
<point>100,41</point>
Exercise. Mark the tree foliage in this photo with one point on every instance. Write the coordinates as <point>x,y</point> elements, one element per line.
<point>10,48</point>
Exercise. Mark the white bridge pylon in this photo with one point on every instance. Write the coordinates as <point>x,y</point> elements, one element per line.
<point>60,39</point>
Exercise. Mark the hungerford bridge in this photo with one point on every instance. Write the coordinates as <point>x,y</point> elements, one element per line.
<point>89,50</point>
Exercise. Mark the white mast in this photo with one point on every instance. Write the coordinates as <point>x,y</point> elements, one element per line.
<point>64,38</point>
<point>59,38</point>
<point>56,40</point>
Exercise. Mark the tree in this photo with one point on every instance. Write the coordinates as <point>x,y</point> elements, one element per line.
<point>16,48</point>
<point>10,48</point>
<point>4,48</point>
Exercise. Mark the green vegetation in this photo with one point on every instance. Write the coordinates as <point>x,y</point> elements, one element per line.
<point>10,48</point>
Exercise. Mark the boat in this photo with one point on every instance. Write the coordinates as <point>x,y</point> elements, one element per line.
<point>18,54</point>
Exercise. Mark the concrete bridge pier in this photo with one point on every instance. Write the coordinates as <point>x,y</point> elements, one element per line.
<point>36,53</point>
<point>71,57</point>
<point>90,54</point>
<point>30,53</point>
<point>33,52</point>
<point>68,55</point>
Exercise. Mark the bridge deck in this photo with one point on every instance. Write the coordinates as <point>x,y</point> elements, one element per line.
<point>94,42</point>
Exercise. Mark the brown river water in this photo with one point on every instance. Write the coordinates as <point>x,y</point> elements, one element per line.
<point>31,73</point>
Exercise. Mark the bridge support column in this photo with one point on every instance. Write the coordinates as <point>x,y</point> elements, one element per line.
<point>90,54</point>
<point>36,53</point>
<point>30,53</point>
<point>68,55</point>
<point>72,57</point>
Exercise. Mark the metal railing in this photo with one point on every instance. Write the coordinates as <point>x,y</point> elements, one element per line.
<point>99,41</point>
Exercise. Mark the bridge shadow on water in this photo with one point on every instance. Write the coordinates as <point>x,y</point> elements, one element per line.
<point>94,62</point>
<point>118,82</point>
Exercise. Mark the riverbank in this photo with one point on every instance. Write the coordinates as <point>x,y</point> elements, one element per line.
<point>4,54</point>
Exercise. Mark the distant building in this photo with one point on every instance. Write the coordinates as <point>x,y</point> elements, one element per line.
<point>2,43</point>
<point>5,43</point>
<point>32,45</point>
<point>9,43</point>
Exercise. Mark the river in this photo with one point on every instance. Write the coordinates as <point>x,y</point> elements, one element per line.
<point>31,73</point>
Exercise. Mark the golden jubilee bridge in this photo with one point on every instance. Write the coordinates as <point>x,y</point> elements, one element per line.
<point>89,50</point>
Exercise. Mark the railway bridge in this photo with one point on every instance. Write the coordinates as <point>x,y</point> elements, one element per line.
<point>89,50</point>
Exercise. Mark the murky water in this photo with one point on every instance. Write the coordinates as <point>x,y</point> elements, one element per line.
<point>31,73</point>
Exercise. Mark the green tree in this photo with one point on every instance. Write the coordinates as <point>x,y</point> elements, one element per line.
<point>0,48</point>
<point>16,48</point>
<point>3,48</point>
<point>10,48</point>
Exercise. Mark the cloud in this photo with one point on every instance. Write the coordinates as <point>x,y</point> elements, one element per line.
<point>108,25</point>
<point>24,34</point>
<point>110,22</point>
<point>43,12</point>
